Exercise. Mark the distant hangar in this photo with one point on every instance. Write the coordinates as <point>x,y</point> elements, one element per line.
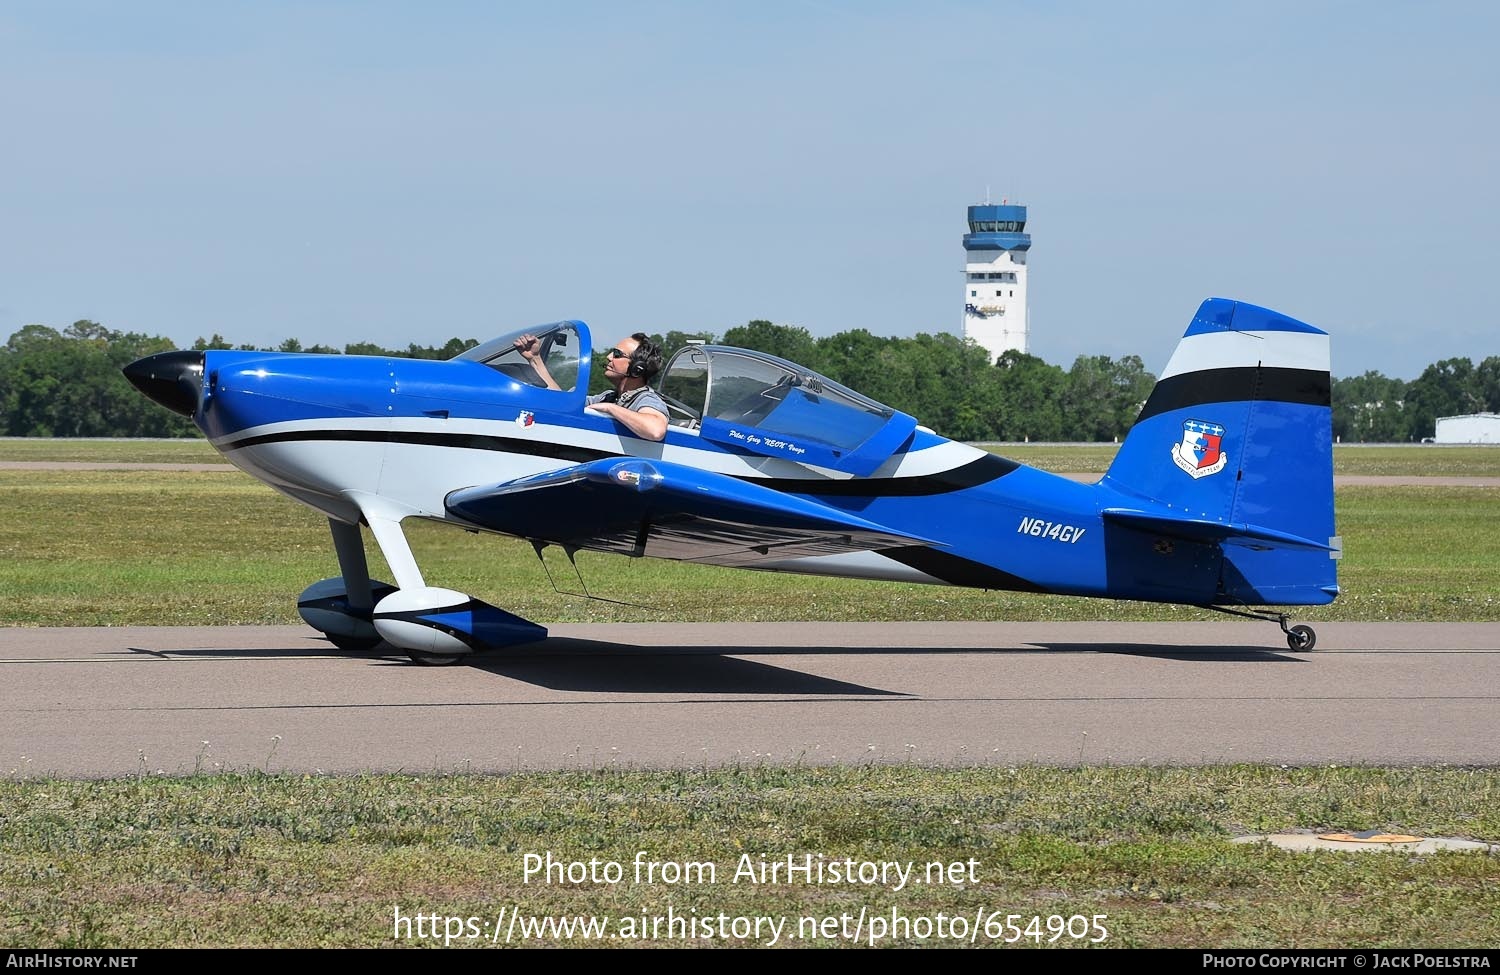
<point>1471,428</point>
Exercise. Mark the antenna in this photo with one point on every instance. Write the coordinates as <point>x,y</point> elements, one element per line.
<point>570,552</point>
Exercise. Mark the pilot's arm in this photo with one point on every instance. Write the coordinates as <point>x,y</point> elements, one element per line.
<point>646,423</point>
<point>530,348</point>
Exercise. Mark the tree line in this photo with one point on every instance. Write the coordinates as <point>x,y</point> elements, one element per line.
<point>68,384</point>
<point>1373,408</point>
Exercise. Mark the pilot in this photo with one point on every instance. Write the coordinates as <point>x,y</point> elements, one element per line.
<point>631,365</point>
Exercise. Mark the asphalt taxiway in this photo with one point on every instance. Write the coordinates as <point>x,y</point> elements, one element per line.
<point>125,700</point>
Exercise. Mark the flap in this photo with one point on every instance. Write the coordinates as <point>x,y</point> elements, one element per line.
<point>671,511</point>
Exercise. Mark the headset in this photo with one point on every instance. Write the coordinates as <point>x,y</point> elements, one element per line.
<point>645,361</point>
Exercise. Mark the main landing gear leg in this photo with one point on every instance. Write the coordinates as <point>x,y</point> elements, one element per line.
<point>1300,637</point>
<point>342,607</point>
<point>438,626</point>
<point>350,548</point>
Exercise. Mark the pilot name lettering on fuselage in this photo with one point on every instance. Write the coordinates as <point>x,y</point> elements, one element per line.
<point>1057,531</point>
<point>755,438</point>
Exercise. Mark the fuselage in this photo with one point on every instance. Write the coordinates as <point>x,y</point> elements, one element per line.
<point>1221,494</point>
<point>334,431</point>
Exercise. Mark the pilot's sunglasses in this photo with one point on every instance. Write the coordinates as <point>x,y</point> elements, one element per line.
<point>617,354</point>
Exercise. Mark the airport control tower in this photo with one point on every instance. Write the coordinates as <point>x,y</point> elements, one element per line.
<point>995,310</point>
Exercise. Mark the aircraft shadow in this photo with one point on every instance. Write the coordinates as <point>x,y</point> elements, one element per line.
<point>722,669</point>
<point>569,647</point>
<point>627,668</point>
<point>713,673</point>
<point>572,647</point>
<point>1206,654</point>
<point>615,668</point>
<point>317,648</point>
<point>632,669</point>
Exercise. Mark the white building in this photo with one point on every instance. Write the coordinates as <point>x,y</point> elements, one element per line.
<point>1473,428</point>
<point>996,314</point>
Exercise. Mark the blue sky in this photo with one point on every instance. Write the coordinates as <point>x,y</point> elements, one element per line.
<point>402,172</point>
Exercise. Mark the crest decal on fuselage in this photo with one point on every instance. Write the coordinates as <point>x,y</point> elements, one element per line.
<point>1200,452</point>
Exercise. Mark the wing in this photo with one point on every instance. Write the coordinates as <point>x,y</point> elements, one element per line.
<point>668,511</point>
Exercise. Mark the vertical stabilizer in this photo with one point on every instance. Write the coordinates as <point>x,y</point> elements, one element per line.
<point>1237,439</point>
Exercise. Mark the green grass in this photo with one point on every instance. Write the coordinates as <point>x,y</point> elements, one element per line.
<point>255,859</point>
<point>1419,460</point>
<point>1423,460</point>
<point>1419,553</point>
<point>184,451</point>
<point>109,548</point>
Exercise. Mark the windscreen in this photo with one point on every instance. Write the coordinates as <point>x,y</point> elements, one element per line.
<point>557,347</point>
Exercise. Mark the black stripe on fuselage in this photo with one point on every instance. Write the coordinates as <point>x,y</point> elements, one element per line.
<point>958,571</point>
<point>1307,386</point>
<point>979,471</point>
<point>467,441</point>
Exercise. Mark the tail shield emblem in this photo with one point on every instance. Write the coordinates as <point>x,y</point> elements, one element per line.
<point>1201,450</point>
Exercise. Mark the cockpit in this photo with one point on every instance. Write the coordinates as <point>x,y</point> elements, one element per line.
<point>746,401</point>
<point>777,408</point>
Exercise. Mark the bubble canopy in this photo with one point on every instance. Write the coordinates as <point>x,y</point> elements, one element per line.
<point>765,405</point>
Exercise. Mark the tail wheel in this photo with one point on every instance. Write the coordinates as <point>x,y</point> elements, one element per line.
<point>1301,637</point>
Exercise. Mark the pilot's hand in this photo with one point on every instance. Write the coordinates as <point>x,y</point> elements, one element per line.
<point>528,345</point>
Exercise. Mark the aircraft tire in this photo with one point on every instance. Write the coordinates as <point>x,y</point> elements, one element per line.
<point>1301,637</point>
<point>426,659</point>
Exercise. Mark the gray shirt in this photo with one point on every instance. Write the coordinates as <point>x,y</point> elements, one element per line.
<point>644,398</point>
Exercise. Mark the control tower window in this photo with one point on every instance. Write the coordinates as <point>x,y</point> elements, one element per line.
<point>996,226</point>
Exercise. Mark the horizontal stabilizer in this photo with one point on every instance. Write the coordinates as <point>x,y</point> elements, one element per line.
<point>1209,531</point>
<point>651,507</point>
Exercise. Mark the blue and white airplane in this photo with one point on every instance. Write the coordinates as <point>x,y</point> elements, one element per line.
<point>1220,497</point>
